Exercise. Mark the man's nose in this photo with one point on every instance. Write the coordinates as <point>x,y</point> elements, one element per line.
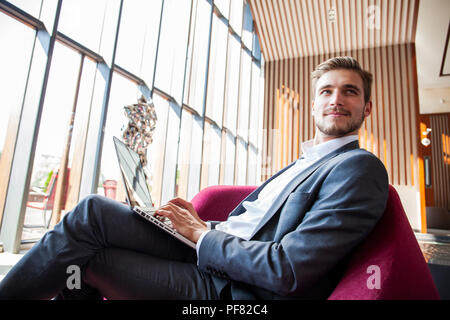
<point>336,98</point>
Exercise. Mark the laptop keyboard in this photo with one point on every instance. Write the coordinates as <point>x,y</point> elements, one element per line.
<point>151,212</point>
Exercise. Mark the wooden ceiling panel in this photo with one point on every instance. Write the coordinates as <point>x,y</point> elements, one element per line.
<point>298,28</point>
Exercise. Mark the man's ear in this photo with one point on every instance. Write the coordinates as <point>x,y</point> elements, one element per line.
<point>312,106</point>
<point>368,108</point>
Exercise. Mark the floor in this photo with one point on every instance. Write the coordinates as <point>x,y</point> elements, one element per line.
<point>435,248</point>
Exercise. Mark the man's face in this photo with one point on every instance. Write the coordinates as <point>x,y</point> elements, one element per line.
<point>338,107</point>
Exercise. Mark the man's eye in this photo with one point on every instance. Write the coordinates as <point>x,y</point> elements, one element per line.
<point>325,92</point>
<point>351,91</point>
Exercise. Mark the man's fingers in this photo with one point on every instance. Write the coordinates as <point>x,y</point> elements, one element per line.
<point>181,202</point>
<point>163,212</point>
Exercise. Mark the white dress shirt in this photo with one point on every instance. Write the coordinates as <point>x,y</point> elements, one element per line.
<point>244,224</point>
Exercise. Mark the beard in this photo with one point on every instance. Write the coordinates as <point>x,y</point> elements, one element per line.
<point>338,130</point>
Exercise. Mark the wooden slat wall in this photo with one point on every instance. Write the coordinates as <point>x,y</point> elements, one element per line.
<point>390,133</point>
<point>440,159</point>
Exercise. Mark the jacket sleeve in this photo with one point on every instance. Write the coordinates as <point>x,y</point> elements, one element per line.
<point>349,202</point>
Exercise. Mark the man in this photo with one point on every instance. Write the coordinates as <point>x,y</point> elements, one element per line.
<point>290,238</point>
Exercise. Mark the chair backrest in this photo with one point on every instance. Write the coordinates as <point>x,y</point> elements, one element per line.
<point>52,190</point>
<point>392,253</point>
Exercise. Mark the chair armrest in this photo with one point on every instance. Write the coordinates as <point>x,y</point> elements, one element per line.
<point>216,202</point>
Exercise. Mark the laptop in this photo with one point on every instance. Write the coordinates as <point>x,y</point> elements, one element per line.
<point>138,195</point>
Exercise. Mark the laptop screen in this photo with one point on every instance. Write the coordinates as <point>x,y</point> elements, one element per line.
<point>133,174</point>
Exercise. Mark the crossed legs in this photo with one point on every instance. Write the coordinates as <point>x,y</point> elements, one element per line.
<point>120,254</point>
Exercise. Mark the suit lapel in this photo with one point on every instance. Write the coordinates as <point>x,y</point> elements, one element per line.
<point>254,195</point>
<point>298,180</point>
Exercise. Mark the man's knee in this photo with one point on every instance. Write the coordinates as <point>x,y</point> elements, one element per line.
<point>90,206</point>
<point>96,201</point>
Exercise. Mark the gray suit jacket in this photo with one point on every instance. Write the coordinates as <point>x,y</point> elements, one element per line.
<point>301,245</point>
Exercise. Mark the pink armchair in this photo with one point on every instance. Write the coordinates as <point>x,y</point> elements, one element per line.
<point>392,247</point>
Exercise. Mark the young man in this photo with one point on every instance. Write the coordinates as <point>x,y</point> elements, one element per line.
<point>290,238</point>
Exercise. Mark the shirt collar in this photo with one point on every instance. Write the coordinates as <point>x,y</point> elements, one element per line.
<point>311,151</point>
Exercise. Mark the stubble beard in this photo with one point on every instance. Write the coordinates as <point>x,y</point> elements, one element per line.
<point>339,131</point>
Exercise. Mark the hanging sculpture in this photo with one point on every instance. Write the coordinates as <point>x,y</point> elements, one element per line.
<point>141,124</point>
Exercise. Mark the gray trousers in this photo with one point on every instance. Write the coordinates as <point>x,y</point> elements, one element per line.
<point>119,255</point>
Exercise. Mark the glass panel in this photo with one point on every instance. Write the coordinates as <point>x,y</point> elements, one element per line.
<point>170,65</point>
<point>123,93</point>
<point>223,6</point>
<point>14,63</point>
<point>215,136</point>
<point>55,126</point>
<point>255,105</point>
<point>241,168</point>
<point>228,159</point>
<point>170,155</point>
<point>252,166</point>
<point>183,155</point>
<point>189,156</point>
<point>232,82</point>
<point>89,22</point>
<point>216,75</point>
<point>195,157</point>
<point>197,58</point>
<point>244,94</point>
<point>48,13</point>
<point>31,7</point>
<point>138,37</point>
<point>256,48</point>
<point>247,28</point>
<point>155,151</point>
<point>236,11</point>
<point>79,133</point>
<point>15,58</point>
<point>211,156</point>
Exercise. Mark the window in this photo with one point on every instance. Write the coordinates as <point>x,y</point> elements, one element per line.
<point>138,37</point>
<point>198,61</point>
<point>170,153</point>
<point>189,155</point>
<point>217,69</point>
<point>198,55</point>
<point>244,94</point>
<point>247,27</point>
<point>211,156</point>
<point>90,23</point>
<point>171,60</point>
<point>14,62</point>
<point>31,7</point>
<point>232,82</point>
<point>223,6</point>
<point>236,11</point>
<point>123,92</point>
<point>56,113</point>
<point>228,158</point>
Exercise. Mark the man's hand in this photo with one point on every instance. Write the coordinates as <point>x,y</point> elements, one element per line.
<point>184,218</point>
